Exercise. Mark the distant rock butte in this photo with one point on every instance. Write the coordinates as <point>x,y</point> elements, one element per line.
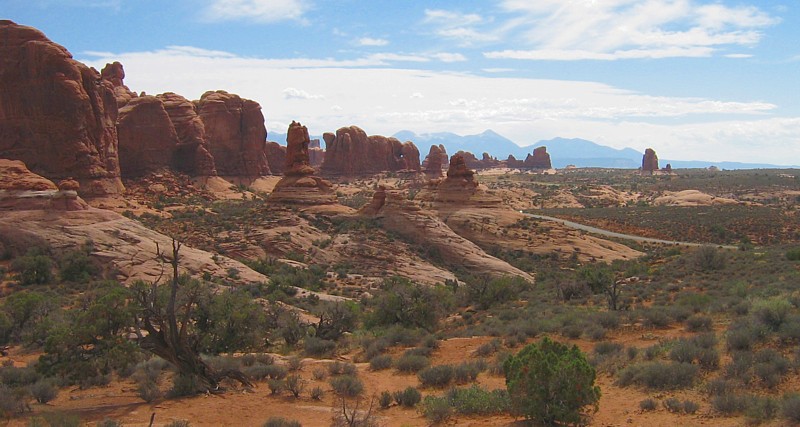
<point>56,114</point>
<point>350,152</point>
<point>298,185</point>
<point>649,161</point>
<point>235,132</point>
<point>23,190</point>
<point>539,160</point>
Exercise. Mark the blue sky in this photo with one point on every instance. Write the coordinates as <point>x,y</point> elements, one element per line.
<point>694,79</point>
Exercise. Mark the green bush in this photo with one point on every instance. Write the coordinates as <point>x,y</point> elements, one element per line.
<point>648,404</point>
<point>708,258</point>
<point>381,362</point>
<point>407,398</point>
<point>281,422</point>
<point>385,399</point>
<point>410,364</point>
<point>790,408</point>
<point>347,386</point>
<point>793,254</point>
<point>659,376</point>
<point>43,391</point>
<point>316,347</point>
<point>436,409</point>
<point>436,376</point>
<point>551,383</point>
<point>476,400</point>
<point>34,268</point>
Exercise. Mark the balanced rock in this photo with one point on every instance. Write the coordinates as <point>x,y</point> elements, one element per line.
<point>352,153</point>
<point>192,155</point>
<point>649,161</point>
<point>539,160</point>
<point>56,114</point>
<point>114,73</point>
<point>147,138</point>
<point>236,134</point>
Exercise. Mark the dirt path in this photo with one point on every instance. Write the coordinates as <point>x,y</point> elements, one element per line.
<point>608,233</point>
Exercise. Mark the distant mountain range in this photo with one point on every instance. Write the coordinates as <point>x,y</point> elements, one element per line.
<point>563,151</point>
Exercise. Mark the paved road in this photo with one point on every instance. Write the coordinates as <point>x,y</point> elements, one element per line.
<point>608,233</point>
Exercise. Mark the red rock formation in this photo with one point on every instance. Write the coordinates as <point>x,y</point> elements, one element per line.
<point>512,162</point>
<point>649,161</point>
<point>485,162</point>
<point>276,157</point>
<point>191,154</point>
<point>316,157</point>
<point>351,153</point>
<point>297,141</point>
<point>376,204</point>
<point>539,160</point>
<point>22,190</point>
<point>434,161</point>
<point>56,114</point>
<point>458,169</point>
<point>147,138</point>
<point>235,132</point>
<point>115,74</point>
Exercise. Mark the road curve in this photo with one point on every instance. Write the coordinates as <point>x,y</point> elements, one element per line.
<point>608,233</point>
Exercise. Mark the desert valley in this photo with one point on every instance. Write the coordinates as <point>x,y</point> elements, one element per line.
<point>163,261</point>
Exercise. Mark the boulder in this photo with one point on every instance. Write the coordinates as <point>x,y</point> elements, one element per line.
<point>352,153</point>
<point>649,161</point>
<point>147,139</point>
<point>235,132</point>
<point>192,155</point>
<point>56,114</point>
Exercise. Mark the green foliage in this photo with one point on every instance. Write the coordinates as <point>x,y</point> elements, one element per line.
<point>26,313</point>
<point>436,409</point>
<point>34,268</point>
<point>485,292</point>
<point>43,391</point>
<point>380,362</point>
<point>793,254</point>
<point>476,400</point>
<point>407,398</point>
<point>659,376</point>
<point>411,363</point>
<point>347,386</point>
<point>76,266</point>
<point>709,258</point>
<point>550,383</point>
<point>281,422</point>
<point>335,319</point>
<point>436,376</point>
<point>409,304</point>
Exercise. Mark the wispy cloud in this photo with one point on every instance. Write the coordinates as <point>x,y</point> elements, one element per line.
<point>262,11</point>
<point>369,41</point>
<point>607,29</point>
<point>294,93</point>
<point>449,57</point>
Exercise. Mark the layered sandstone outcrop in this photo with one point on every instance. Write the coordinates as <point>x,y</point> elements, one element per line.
<point>56,114</point>
<point>192,155</point>
<point>276,157</point>
<point>539,160</point>
<point>649,161</point>
<point>235,132</point>
<point>434,161</point>
<point>114,73</point>
<point>299,186</point>
<point>22,190</point>
<point>512,162</point>
<point>147,138</point>
<point>350,152</point>
<point>485,162</point>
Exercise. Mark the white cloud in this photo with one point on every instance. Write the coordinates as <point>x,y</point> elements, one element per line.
<point>263,11</point>
<point>738,55</point>
<point>524,110</point>
<point>368,41</point>
<point>464,28</point>
<point>449,57</point>
<point>294,93</point>
<point>620,29</point>
<point>382,57</point>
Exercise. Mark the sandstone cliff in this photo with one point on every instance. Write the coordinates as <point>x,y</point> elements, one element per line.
<point>350,152</point>
<point>56,114</point>
<point>147,138</point>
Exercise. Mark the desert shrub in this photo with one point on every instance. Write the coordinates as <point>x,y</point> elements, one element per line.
<point>178,423</point>
<point>56,419</point>
<point>547,372</point>
<point>295,384</point>
<point>76,266</point>
<point>33,268</point>
<point>408,398</point>
<point>709,258</point>
<point>418,351</point>
<point>281,422</point>
<point>656,317</point>
<point>436,409</point>
<point>276,387</point>
<point>793,254</point>
<point>17,377</point>
<point>317,393</point>
<point>690,406</point>
<point>648,404</point>
<point>43,391</point>
<point>497,367</point>
<point>294,363</point>
<point>741,336</point>
<point>107,422</point>
<point>658,376</point>
<point>410,364</point>
<point>183,385</point>
<point>729,403</point>
<point>342,368</point>
<point>488,348</point>
<point>789,330</point>
<point>790,408</point>
<point>317,347</point>
<point>699,322</point>
<point>608,319</point>
<point>12,401</point>
<point>718,387</point>
<point>347,386</point>
<point>409,304</point>
<point>468,371</point>
<point>381,362</point>
<point>761,409</point>
<point>319,373</point>
<point>607,347</point>
<point>436,376</point>
<point>148,390</point>
<point>476,400</point>
<point>486,292</point>
<point>276,372</point>
<point>770,367</point>
<point>385,399</point>
<point>673,404</point>
<point>772,312</point>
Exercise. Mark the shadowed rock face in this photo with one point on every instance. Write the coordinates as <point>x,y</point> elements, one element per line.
<point>56,114</point>
<point>350,152</point>
<point>191,153</point>
<point>649,161</point>
<point>235,132</point>
<point>147,138</point>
